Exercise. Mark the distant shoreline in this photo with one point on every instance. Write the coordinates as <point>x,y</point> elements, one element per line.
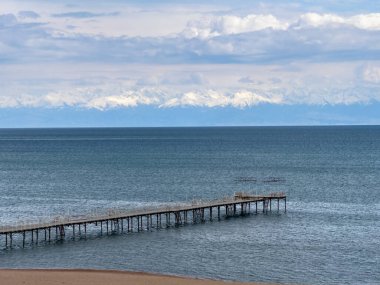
<point>101,277</point>
<point>134,127</point>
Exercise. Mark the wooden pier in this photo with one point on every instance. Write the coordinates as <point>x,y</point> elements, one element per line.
<point>140,220</point>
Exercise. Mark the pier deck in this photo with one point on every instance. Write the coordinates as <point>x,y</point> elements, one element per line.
<point>240,204</point>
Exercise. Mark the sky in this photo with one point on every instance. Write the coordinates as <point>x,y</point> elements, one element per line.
<point>189,63</point>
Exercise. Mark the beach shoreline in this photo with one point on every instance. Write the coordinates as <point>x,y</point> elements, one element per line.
<point>97,277</point>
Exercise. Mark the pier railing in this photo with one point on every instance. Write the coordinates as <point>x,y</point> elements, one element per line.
<point>239,204</point>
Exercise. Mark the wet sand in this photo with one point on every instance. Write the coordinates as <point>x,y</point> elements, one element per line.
<point>99,277</point>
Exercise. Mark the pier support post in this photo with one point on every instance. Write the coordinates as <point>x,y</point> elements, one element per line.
<point>177,216</point>
<point>23,239</point>
<point>61,232</point>
<point>285,205</point>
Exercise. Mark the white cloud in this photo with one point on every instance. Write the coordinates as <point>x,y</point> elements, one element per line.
<point>361,21</point>
<point>317,20</point>
<point>371,74</point>
<point>230,24</point>
<point>366,21</point>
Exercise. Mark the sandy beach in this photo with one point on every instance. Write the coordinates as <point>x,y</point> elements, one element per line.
<point>98,277</point>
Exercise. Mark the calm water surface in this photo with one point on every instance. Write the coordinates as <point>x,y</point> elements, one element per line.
<point>330,234</point>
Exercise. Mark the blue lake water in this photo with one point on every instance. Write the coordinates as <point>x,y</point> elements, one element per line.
<point>329,235</point>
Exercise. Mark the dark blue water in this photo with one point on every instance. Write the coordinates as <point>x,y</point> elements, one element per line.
<point>330,234</point>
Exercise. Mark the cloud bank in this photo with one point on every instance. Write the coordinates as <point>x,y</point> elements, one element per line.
<point>250,39</point>
<point>231,24</point>
<point>222,57</point>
